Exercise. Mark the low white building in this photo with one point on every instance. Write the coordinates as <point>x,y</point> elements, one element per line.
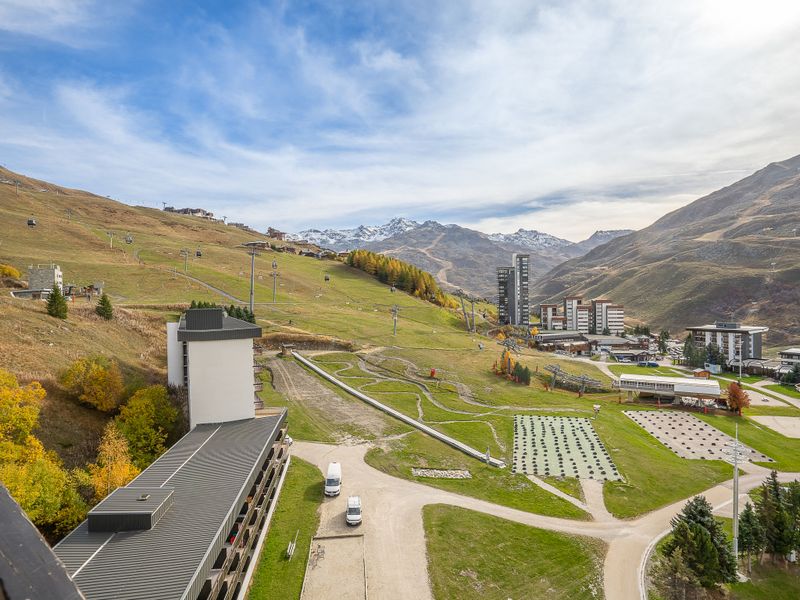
<point>669,387</point>
<point>211,354</point>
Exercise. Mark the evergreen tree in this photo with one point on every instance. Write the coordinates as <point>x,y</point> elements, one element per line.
<point>672,578</point>
<point>518,372</point>
<point>526,376</point>
<point>792,376</point>
<point>751,534</point>
<point>699,512</point>
<point>663,338</point>
<point>606,331</point>
<point>57,304</point>
<point>104,308</point>
<point>193,304</point>
<point>780,536</point>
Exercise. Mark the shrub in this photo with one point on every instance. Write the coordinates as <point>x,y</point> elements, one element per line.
<point>146,421</point>
<point>95,381</point>
<point>9,271</point>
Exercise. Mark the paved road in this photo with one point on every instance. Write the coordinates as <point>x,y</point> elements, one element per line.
<point>395,539</point>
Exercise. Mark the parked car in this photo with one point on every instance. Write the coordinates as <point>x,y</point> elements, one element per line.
<point>333,480</point>
<point>353,514</point>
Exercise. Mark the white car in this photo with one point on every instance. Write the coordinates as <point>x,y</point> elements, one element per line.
<point>333,480</point>
<point>353,514</point>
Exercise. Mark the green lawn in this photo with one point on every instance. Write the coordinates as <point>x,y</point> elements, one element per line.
<point>277,577</point>
<point>785,451</point>
<point>654,475</point>
<point>786,390</point>
<point>473,555</point>
<point>568,485</point>
<point>637,370</point>
<point>487,483</point>
<point>769,582</point>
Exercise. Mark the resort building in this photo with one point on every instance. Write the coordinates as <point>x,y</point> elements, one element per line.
<point>595,317</point>
<point>737,342</point>
<point>45,277</point>
<point>191,524</point>
<point>211,354</point>
<point>513,306</point>
<point>668,387</point>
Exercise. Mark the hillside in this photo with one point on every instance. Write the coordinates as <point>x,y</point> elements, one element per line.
<point>734,254</point>
<point>146,284</point>
<point>457,256</point>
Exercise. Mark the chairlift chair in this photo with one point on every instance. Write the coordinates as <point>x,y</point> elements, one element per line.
<point>31,222</point>
<point>129,239</point>
<point>198,253</point>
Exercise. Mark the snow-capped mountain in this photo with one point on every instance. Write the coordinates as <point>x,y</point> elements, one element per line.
<point>530,238</point>
<point>349,239</point>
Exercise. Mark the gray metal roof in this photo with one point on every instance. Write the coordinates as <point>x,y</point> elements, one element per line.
<point>230,329</point>
<point>28,567</point>
<point>211,470</point>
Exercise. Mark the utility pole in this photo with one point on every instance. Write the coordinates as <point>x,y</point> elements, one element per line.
<point>69,214</point>
<point>395,310</point>
<point>736,453</point>
<point>252,278</point>
<point>111,238</point>
<point>163,205</point>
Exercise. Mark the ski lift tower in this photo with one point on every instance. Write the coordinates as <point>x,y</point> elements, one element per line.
<point>735,453</point>
<point>252,250</point>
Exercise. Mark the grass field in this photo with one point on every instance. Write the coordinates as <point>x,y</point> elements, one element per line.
<point>786,390</point>
<point>473,555</point>
<point>276,577</point>
<point>500,486</point>
<point>637,370</point>
<point>785,451</point>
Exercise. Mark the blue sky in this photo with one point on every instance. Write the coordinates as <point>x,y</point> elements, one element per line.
<point>564,116</point>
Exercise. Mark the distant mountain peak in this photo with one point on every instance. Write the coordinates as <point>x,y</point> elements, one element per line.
<point>531,238</point>
<point>349,239</point>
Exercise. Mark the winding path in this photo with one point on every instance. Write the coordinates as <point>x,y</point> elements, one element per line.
<point>395,538</point>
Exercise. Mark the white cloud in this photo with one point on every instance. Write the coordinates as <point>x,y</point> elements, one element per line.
<point>635,107</point>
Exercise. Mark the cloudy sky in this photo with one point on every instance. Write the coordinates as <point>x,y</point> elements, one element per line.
<point>564,116</point>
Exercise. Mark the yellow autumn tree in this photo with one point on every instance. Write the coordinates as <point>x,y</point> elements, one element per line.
<point>95,381</point>
<point>34,477</point>
<point>114,467</point>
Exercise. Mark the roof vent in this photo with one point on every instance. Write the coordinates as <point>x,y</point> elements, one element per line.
<point>130,509</point>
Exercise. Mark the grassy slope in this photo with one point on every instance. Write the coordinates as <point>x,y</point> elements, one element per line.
<point>472,555</point>
<point>787,390</point>
<point>277,577</point>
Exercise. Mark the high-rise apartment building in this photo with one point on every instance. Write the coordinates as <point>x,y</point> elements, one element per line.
<point>571,304</point>
<point>513,306</point>
<point>546,314</point>
<point>734,340</point>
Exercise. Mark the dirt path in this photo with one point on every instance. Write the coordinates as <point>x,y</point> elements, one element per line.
<point>299,385</point>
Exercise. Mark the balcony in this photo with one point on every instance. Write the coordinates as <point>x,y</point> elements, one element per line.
<point>258,385</point>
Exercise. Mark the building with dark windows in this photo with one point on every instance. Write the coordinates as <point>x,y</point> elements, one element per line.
<point>737,342</point>
<point>188,525</point>
<point>513,306</point>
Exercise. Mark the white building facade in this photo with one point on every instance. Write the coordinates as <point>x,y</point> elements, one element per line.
<point>211,354</point>
<point>736,341</point>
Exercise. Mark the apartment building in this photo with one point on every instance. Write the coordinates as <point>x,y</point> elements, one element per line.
<point>736,341</point>
<point>504,276</point>
<point>211,354</point>
<point>513,306</point>
<point>191,524</point>
<point>571,304</point>
<point>584,317</point>
<point>546,314</point>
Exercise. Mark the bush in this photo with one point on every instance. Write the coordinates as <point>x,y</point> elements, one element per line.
<point>9,271</point>
<point>57,304</point>
<point>146,421</point>
<point>95,381</point>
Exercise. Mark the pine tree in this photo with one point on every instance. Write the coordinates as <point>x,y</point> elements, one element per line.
<point>518,375</point>
<point>780,537</point>
<point>751,534</point>
<point>699,512</point>
<point>672,578</point>
<point>104,308</point>
<point>57,304</point>
<point>526,376</point>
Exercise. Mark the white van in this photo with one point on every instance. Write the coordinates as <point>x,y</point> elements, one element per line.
<point>333,481</point>
<point>353,514</point>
